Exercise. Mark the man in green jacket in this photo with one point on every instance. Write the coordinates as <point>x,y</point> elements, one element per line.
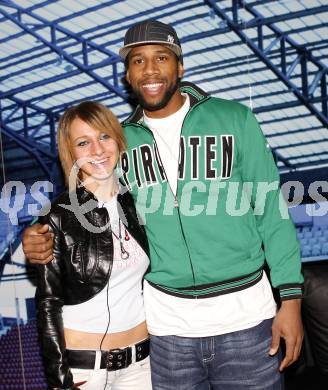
<point>207,188</point>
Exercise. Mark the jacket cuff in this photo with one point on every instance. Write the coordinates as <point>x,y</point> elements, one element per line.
<point>290,291</point>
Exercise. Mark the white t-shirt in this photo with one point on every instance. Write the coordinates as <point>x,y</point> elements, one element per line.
<point>124,289</point>
<point>170,315</point>
<point>166,132</point>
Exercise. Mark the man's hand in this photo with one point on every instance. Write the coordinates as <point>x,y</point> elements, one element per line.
<point>288,325</point>
<point>38,244</point>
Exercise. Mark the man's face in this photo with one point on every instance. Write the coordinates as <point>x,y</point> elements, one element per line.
<point>153,73</point>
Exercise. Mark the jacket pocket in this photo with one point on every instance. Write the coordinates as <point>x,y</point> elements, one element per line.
<point>83,260</point>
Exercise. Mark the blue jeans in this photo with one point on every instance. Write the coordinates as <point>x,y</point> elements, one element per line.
<point>233,361</point>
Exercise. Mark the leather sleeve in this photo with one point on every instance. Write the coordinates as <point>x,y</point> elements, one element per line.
<point>49,302</point>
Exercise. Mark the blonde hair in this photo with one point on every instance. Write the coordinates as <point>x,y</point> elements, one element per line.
<point>96,116</point>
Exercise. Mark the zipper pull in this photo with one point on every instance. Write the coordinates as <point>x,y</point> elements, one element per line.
<point>176,203</point>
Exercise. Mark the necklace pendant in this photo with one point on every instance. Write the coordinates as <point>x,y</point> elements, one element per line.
<point>126,236</point>
<point>124,254</point>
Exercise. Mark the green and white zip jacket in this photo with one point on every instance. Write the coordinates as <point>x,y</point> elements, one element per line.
<point>208,238</point>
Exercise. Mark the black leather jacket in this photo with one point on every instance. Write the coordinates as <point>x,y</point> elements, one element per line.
<point>80,269</point>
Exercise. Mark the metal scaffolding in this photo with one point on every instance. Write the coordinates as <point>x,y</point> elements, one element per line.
<point>267,54</point>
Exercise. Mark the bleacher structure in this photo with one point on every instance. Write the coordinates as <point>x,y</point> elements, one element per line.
<point>19,348</point>
<point>270,55</point>
<point>314,242</point>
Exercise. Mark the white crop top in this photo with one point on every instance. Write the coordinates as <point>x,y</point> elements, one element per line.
<point>125,296</point>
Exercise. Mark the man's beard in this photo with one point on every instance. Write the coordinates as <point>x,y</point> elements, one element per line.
<point>161,104</point>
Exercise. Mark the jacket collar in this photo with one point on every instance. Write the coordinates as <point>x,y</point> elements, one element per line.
<point>99,216</point>
<point>84,195</point>
<point>124,198</point>
<point>196,95</point>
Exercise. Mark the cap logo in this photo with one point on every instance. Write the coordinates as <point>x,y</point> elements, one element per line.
<point>170,39</point>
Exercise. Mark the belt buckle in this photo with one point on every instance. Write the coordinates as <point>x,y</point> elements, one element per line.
<point>116,359</point>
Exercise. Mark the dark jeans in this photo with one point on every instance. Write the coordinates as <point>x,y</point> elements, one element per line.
<point>233,361</point>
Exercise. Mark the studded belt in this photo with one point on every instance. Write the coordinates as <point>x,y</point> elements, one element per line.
<point>114,359</point>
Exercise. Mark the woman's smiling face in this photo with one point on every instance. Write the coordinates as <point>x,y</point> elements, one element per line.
<point>95,152</point>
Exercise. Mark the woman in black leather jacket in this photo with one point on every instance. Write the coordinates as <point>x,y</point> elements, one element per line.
<point>89,297</point>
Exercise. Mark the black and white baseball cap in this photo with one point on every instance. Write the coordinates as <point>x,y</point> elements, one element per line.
<point>151,32</point>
